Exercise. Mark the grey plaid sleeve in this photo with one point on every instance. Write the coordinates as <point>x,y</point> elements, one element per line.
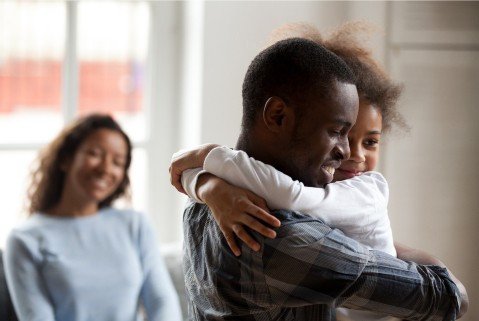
<point>310,263</point>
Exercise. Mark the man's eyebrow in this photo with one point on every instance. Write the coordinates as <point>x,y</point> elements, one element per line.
<point>373,132</point>
<point>342,122</point>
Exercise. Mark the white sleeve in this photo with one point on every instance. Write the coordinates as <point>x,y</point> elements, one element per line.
<point>189,178</point>
<point>29,294</point>
<point>336,204</point>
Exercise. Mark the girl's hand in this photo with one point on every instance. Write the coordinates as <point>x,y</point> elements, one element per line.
<point>407,253</point>
<point>182,161</point>
<point>234,209</point>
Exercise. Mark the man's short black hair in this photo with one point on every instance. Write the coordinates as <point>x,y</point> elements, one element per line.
<point>295,70</point>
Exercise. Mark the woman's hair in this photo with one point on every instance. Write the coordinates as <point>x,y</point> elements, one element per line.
<point>48,178</point>
<point>372,82</point>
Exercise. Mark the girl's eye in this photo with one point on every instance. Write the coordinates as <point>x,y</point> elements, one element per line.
<point>371,142</point>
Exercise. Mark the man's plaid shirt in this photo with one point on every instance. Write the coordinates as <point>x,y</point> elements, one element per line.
<point>303,274</point>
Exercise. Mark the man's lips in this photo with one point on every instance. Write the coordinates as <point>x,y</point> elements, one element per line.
<point>330,167</point>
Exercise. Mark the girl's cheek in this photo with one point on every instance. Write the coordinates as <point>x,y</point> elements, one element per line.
<point>372,160</point>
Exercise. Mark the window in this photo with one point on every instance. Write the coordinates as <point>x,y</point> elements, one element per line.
<point>32,37</point>
<point>61,59</point>
<point>111,59</point>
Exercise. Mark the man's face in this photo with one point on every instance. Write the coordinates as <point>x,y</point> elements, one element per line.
<point>320,140</point>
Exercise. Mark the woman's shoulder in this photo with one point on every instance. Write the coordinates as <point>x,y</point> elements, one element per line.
<point>34,224</point>
<point>28,233</point>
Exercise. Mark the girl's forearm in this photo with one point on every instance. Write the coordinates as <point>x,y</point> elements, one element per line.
<point>407,253</point>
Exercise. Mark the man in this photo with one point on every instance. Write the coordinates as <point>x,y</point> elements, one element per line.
<point>299,103</point>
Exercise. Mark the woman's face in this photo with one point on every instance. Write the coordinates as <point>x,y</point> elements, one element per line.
<point>364,140</point>
<point>97,168</point>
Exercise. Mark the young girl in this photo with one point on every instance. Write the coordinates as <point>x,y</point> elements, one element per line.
<point>355,203</point>
<point>77,258</point>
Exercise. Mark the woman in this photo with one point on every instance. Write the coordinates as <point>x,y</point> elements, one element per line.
<point>76,257</point>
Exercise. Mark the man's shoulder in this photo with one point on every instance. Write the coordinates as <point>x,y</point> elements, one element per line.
<point>301,231</point>
<point>292,217</point>
<point>192,203</point>
<point>293,220</point>
<point>198,222</point>
<point>194,210</point>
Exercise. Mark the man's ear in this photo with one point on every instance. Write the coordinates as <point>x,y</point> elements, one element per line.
<point>278,116</point>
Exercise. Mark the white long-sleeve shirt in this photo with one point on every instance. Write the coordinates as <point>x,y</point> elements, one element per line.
<point>356,206</point>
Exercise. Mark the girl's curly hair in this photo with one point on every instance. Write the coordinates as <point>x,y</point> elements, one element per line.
<point>47,179</point>
<point>372,82</point>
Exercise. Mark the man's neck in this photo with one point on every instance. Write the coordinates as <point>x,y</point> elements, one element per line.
<point>256,148</point>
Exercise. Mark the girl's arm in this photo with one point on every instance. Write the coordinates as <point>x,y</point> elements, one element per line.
<point>339,204</point>
<point>407,253</point>
<point>26,285</point>
<point>232,207</point>
<point>187,159</point>
<point>357,206</point>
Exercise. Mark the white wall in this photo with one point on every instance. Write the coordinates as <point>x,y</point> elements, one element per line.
<point>434,50</point>
<point>234,32</point>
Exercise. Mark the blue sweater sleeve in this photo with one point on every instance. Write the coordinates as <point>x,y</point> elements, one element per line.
<point>26,286</point>
<point>157,292</point>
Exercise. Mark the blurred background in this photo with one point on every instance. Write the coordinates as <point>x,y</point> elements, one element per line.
<point>171,73</point>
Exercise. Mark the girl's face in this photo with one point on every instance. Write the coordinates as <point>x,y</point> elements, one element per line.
<point>98,167</point>
<point>364,140</point>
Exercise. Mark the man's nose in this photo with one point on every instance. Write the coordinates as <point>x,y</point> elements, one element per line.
<point>342,150</point>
